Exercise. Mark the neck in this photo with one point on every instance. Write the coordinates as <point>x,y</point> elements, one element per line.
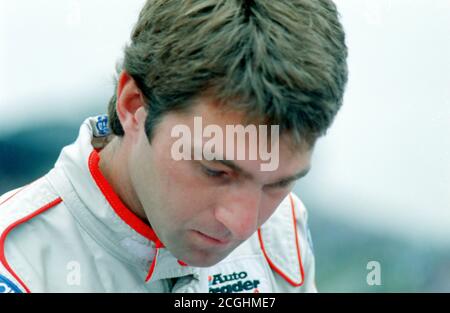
<point>113,165</point>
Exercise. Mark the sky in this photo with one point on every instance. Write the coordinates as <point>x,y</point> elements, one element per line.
<point>384,164</point>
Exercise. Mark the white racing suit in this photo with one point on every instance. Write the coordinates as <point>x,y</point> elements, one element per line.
<point>69,232</point>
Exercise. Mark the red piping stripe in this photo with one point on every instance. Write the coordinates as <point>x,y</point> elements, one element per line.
<point>152,267</point>
<point>182,263</point>
<point>11,227</point>
<point>119,207</point>
<point>272,265</point>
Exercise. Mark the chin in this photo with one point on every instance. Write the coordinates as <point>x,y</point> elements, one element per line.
<point>205,259</point>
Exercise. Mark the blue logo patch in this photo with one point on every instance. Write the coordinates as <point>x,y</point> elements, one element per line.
<point>7,286</point>
<point>102,125</point>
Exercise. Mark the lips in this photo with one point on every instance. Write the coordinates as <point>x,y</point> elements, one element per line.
<point>213,239</point>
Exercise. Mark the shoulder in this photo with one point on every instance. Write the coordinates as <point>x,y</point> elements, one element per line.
<point>22,217</point>
<point>23,204</point>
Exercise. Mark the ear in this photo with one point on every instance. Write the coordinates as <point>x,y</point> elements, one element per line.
<point>130,105</point>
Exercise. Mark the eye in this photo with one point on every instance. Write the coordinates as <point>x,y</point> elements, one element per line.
<point>282,185</point>
<point>212,173</point>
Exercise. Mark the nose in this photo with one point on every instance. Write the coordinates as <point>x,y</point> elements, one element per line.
<point>239,211</point>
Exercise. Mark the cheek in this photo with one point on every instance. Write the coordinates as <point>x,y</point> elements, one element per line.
<point>268,209</point>
<point>182,190</point>
<point>186,181</point>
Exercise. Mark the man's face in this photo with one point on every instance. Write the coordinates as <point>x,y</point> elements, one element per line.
<point>202,210</point>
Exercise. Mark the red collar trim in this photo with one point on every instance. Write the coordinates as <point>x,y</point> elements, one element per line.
<point>119,207</point>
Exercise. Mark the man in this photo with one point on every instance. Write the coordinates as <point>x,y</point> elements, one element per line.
<point>120,212</point>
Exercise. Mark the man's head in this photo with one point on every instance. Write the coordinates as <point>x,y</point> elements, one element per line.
<point>231,62</point>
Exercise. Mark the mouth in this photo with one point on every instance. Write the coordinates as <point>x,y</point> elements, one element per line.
<point>211,240</point>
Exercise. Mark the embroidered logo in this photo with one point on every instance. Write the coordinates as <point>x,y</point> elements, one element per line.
<point>235,282</point>
<point>101,126</point>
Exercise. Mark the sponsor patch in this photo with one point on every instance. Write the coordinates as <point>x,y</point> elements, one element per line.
<point>7,286</point>
<point>101,126</point>
<point>243,275</point>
